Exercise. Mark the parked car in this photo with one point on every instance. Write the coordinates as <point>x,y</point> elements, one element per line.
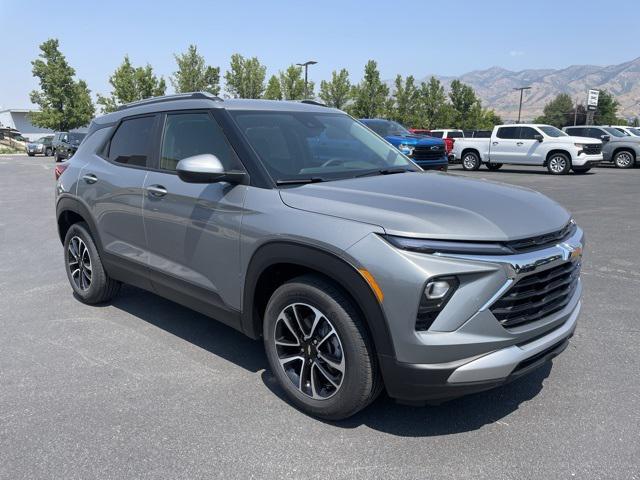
<point>43,146</point>
<point>428,153</point>
<point>448,142</point>
<point>631,131</point>
<point>529,144</point>
<point>65,144</point>
<point>447,133</point>
<point>358,273</point>
<point>621,149</point>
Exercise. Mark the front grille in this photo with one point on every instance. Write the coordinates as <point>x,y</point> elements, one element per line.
<point>428,153</point>
<point>538,295</point>
<point>542,241</point>
<point>592,149</point>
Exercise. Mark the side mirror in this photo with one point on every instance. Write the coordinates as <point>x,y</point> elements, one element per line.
<point>540,138</point>
<point>206,168</point>
<point>605,138</point>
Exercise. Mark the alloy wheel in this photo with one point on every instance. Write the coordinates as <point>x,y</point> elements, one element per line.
<point>309,351</point>
<point>469,162</point>
<point>79,263</point>
<point>557,164</point>
<point>624,159</point>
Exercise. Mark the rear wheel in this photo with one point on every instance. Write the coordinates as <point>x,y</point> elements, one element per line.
<point>85,272</point>
<point>494,166</point>
<point>471,161</point>
<point>623,159</point>
<point>319,350</point>
<point>47,152</point>
<point>558,164</point>
<point>31,154</point>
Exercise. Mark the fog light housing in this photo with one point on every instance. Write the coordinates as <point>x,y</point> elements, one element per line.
<point>437,293</point>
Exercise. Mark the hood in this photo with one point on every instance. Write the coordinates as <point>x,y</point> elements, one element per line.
<point>413,140</point>
<point>433,205</point>
<point>586,140</point>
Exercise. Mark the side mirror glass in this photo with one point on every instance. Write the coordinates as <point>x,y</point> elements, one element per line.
<point>206,168</point>
<point>605,138</point>
<point>539,138</point>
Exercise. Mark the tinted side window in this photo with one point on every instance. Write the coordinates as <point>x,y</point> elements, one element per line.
<point>527,133</point>
<point>576,132</point>
<point>131,143</point>
<point>436,134</point>
<point>595,133</point>
<point>507,132</point>
<point>455,135</point>
<point>189,134</point>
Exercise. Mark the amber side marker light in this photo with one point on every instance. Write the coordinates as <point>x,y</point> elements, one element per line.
<point>377,291</point>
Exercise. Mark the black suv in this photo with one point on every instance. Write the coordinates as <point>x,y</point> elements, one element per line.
<point>65,144</point>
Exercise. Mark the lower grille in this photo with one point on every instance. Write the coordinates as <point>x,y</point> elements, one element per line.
<point>538,295</point>
<point>592,149</point>
<point>428,153</point>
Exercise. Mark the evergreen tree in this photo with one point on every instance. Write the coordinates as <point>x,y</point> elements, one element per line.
<point>336,92</point>
<point>370,95</point>
<point>273,91</point>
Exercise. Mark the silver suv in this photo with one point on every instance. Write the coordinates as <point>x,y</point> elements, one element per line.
<point>617,147</point>
<point>295,223</point>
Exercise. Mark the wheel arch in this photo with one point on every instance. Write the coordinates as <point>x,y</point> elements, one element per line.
<point>624,149</point>
<point>69,211</point>
<point>553,152</point>
<point>277,262</point>
<point>471,150</point>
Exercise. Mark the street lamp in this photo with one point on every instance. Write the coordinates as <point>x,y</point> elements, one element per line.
<point>306,66</point>
<point>522,89</point>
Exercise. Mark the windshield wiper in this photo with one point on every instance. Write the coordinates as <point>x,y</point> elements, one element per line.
<point>384,171</point>
<point>299,181</point>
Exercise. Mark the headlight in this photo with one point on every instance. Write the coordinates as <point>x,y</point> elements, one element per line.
<point>406,149</point>
<point>448,246</point>
<point>580,145</point>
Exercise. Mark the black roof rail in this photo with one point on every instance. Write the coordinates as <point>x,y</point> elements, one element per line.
<point>314,102</point>
<point>169,98</point>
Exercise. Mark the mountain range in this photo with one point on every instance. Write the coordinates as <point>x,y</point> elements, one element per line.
<point>495,87</point>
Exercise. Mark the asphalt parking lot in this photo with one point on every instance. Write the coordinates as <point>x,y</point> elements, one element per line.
<point>144,388</point>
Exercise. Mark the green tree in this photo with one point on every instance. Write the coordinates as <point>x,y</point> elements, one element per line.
<point>131,84</point>
<point>336,92</point>
<point>405,101</point>
<point>635,122</point>
<point>607,111</point>
<point>64,103</point>
<point>558,112</point>
<point>488,120</point>
<point>466,105</point>
<point>245,78</point>
<point>194,75</point>
<point>433,109</point>
<point>292,84</point>
<point>370,94</point>
<point>273,91</point>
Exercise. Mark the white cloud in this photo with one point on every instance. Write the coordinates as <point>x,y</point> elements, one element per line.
<point>516,53</point>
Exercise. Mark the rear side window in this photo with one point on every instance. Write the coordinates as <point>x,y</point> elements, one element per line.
<point>595,133</point>
<point>189,134</point>
<point>576,132</point>
<point>436,134</point>
<point>455,135</point>
<point>507,132</point>
<point>131,144</point>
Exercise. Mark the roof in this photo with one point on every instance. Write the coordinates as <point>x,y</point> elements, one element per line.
<point>200,100</point>
<point>18,110</point>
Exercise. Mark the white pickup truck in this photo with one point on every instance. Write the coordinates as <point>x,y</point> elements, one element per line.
<point>529,144</point>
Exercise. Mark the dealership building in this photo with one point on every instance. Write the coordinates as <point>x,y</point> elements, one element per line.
<point>17,119</point>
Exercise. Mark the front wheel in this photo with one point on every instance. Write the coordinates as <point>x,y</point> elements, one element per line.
<point>559,164</point>
<point>623,159</point>
<point>471,161</point>
<point>494,166</point>
<point>319,350</point>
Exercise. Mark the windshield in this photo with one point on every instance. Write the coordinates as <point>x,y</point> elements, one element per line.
<point>76,137</point>
<point>299,145</point>
<point>615,132</point>
<point>552,131</point>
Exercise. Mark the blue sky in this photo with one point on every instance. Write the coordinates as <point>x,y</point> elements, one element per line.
<point>419,38</point>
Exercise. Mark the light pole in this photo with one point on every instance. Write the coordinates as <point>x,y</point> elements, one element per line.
<point>522,89</point>
<point>306,66</point>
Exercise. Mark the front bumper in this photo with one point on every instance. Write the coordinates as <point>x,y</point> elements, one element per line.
<point>466,349</point>
<point>583,160</point>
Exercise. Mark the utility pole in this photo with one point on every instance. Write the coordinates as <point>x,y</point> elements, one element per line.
<point>522,89</point>
<point>306,66</point>
<point>575,114</point>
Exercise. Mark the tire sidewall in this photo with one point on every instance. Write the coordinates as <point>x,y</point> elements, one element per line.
<point>567,164</point>
<point>98,278</point>
<point>624,152</point>
<point>476,165</point>
<point>352,386</point>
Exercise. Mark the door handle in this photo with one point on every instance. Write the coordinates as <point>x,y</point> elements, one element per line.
<point>157,190</point>
<point>495,143</point>
<point>519,143</point>
<point>90,178</point>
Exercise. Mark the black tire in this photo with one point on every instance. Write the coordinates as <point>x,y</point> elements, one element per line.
<point>494,166</point>
<point>580,170</point>
<point>623,159</point>
<point>31,154</point>
<point>558,164</point>
<point>101,287</point>
<point>360,381</point>
<point>471,161</point>
<point>47,152</point>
